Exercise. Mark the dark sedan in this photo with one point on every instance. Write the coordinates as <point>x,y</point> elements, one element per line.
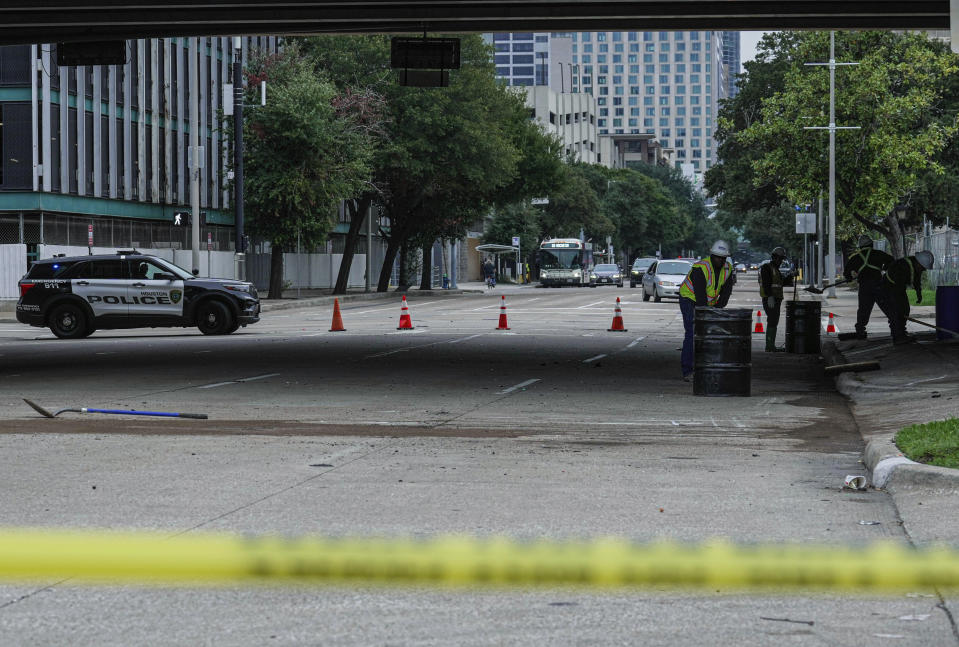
<point>606,274</point>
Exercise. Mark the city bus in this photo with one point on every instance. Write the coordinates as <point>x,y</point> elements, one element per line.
<point>564,261</point>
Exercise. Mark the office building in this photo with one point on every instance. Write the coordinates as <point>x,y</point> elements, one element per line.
<point>731,58</point>
<point>663,83</point>
<point>103,150</point>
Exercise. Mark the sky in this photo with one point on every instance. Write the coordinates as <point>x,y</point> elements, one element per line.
<point>747,44</point>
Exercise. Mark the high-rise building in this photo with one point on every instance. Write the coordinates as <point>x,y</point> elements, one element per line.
<point>731,57</point>
<point>527,58</point>
<point>665,83</point>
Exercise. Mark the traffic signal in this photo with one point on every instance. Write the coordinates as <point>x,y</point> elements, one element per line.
<point>185,218</point>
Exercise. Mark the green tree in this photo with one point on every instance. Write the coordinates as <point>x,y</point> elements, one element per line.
<point>645,214</point>
<point>303,154</point>
<point>895,95</point>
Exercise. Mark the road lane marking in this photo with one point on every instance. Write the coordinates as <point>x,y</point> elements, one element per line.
<point>389,352</point>
<point>456,341</point>
<point>213,386</point>
<point>257,377</point>
<point>635,341</point>
<point>590,305</point>
<point>593,359</point>
<point>237,381</point>
<point>519,386</point>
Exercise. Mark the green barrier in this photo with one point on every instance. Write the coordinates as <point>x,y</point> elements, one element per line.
<point>211,559</point>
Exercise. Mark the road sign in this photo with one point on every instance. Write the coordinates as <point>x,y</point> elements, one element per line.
<point>539,201</point>
<point>89,235</point>
<point>515,241</point>
<point>805,222</point>
<point>209,241</point>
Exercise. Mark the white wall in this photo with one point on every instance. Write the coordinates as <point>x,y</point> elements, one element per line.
<point>13,265</point>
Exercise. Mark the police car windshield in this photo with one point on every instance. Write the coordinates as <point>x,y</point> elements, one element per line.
<point>176,270</point>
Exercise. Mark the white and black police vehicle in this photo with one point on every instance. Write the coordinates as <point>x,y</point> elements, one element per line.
<point>74,296</point>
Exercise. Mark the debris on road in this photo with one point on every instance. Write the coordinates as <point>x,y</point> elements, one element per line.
<point>856,367</point>
<point>855,482</point>
<point>869,523</point>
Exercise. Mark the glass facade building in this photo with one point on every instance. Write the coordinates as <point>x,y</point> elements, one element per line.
<point>731,57</point>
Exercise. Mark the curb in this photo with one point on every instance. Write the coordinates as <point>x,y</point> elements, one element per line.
<point>888,467</point>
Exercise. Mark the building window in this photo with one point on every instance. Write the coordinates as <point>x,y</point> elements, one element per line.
<point>522,47</point>
<point>522,36</point>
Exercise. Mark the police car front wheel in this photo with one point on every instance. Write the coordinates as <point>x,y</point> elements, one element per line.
<point>69,321</point>
<point>214,318</point>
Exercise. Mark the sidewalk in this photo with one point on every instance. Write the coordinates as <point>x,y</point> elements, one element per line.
<point>916,383</point>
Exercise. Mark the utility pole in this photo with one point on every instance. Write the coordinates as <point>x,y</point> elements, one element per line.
<point>240,245</point>
<point>832,128</point>
<point>195,157</point>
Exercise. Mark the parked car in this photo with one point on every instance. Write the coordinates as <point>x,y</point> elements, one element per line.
<point>640,265</point>
<point>606,274</point>
<point>664,278</point>
<point>76,295</point>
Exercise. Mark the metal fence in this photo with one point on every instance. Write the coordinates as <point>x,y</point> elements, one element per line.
<point>55,229</point>
<point>944,246</point>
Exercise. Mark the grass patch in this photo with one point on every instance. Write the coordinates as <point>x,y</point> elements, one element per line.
<point>933,443</point>
<point>928,297</point>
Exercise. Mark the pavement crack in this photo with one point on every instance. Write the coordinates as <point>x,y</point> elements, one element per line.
<point>283,490</point>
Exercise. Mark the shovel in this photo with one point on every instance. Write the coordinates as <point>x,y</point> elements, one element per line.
<point>816,290</point>
<point>939,328</point>
<point>124,412</point>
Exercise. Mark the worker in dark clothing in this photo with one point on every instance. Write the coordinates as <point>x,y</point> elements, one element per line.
<point>901,274</point>
<point>706,284</point>
<point>866,265</point>
<point>771,282</point>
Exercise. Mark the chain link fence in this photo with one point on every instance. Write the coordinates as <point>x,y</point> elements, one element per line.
<point>54,229</point>
<point>944,246</point>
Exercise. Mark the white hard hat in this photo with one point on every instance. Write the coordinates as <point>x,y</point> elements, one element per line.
<point>719,248</point>
<point>926,259</point>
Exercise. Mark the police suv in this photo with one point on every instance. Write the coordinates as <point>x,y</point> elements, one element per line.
<point>76,295</point>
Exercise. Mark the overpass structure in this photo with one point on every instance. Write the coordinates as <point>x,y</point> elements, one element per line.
<point>33,21</point>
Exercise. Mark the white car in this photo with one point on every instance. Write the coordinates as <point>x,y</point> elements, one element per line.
<point>663,279</point>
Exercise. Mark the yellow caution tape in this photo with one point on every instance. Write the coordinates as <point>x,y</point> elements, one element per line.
<point>105,557</point>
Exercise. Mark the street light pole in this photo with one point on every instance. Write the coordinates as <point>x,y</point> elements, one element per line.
<point>240,245</point>
<point>832,128</point>
<point>195,157</point>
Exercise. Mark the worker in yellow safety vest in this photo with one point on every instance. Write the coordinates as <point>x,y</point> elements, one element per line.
<point>706,284</point>
<point>771,282</point>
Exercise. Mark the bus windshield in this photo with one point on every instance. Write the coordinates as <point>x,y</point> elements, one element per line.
<point>559,259</point>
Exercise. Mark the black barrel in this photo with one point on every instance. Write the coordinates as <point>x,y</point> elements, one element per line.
<point>723,351</point>
<point>803,323</point>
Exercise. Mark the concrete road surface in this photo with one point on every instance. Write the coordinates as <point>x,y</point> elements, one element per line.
<point>555,428</point>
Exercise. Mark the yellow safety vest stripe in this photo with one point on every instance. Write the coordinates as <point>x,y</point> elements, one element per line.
<point>865,260</point>
<point>712,291</point>
<point>776,284</point>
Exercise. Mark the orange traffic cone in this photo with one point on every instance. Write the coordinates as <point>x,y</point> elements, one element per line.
<point>758,328</point>
<point>503,325</point>
<point>406,322</point>
<point>617,319</point>
<point>831,327</point>
<point>337,324</point>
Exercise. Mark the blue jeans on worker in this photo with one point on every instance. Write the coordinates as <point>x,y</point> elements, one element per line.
<point>688,308</point>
